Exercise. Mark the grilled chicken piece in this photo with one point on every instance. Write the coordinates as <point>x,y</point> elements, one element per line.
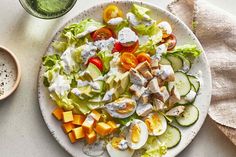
<point>144,99</point>
<point>154,64</point>
<point>144,109</point>
<point>136,78</point>
<point>158,104</point>
<point>143,67</point>
<point>137,90</point>
<point>174,96</point>
<point>163,95</point>
<point>167,73</point>
<point>147,75</point>
<point>153,86</point>
<point>176,111</point>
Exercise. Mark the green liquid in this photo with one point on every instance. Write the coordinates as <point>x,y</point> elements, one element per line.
<point>50,7</point>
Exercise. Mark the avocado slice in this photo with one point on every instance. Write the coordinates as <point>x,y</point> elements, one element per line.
<point>93,71</point>
<point>110,81</point>
<point>86,92</point>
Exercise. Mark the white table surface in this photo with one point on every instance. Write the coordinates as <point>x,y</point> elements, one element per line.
<point>23,132</point>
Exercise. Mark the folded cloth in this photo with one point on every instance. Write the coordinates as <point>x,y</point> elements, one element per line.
<point>216,30</point>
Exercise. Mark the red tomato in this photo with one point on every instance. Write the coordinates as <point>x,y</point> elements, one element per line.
<point>96,61</point>
<point>128,60</point>
<point>171,40</point>
<point>102,33</point>
<point>142,57</point>
<point>118,47</point>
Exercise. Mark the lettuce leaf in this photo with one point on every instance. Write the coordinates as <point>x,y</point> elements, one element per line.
<point>154,148</point>
<point>140,12</point>
<point>188,51</point>
<point>106,57</point>
<point>50,60</point>
<point>63,101</point>
<point>60,46</point>
<point>120,26</point>
<point>82,28</point>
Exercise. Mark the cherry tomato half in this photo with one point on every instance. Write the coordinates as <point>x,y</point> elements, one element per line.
<point>96,61</point>
<point>102,33</point>
<point>142,57</point>
<point>128,60</point>
<point>118,47</point>
<point>171,40</point>
<point>111,11</point>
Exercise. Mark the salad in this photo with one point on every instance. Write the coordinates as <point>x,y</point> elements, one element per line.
<point>123,84</point>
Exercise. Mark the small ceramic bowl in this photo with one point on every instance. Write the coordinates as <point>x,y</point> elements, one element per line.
<point>10,73</point>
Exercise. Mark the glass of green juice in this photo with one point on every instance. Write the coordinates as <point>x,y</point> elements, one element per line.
<point>47,9</point>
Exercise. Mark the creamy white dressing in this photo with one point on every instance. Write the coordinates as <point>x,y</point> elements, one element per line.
<point>123,145</point>
<point>126,36</point>
<point>76,91</point>
<point>143,39</point>
<point>88,51</point>
<point>108,95</point>
<point>93,84</point>
<point>105,44</point>
<point>60,85</point>
<point>165,26</point>
<point>166,71</point>
<point>144,109</point>
<point>160,50</point>
<point>190,96</point>
<point>87,31</point>
<point>132,19</point>
<point>115,21</point>
<point>67,60</point>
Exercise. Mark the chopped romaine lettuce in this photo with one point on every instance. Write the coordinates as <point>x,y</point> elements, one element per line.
<point>188,51</point>
<point>154,148</point>
<point>140,12</point>
<point>149,29</point>
<point>50,60</point>
<point>106,57</point>
<point>120,26</point>
<point>63,101</point>
<point>60,46</point>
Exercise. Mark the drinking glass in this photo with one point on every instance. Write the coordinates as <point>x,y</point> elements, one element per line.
<point>47,9</point>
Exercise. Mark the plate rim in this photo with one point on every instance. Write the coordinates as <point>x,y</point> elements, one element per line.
<point>100,4</point>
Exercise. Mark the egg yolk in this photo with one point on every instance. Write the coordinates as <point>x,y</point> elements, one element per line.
<point>135,133</point>
<point>152,122</point>
<point>115,141</point>
<point>128,108</point>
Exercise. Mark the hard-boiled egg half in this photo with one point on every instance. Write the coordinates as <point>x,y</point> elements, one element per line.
<point>121,108</point>
<point>137,135</point>
<point>118,148</point>
<point>156,124</point>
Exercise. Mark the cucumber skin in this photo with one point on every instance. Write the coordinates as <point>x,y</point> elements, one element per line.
<point>182,62</point>
<point>179,135</point>
<point>192,122</point>
<point>199,85</point>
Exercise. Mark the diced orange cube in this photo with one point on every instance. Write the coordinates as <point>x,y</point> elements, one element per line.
<point>78,119</point>
<point>71,136</point>
<point>96,115</point>
<point>103,128</point>
<point>88,124</point>
<point>57,113</point>
<point>91,137</point>
<point>78,132</point>
<point>113,126</point>
<point>67,127</point>
<point>67,116</point>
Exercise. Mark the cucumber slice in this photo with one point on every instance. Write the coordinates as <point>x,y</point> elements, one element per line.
<point>183,101</point>
<point>189,116</point>
<point>195,82</point>
<point>171,137</point>
<point>181,83</point>
<point>176,62</point>
<point>186,64</point>
<point>164,61</point>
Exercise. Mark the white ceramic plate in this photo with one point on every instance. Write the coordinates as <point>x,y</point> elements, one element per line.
<point>184,36</point>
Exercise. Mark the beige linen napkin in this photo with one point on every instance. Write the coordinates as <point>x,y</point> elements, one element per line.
<point>216,30</point>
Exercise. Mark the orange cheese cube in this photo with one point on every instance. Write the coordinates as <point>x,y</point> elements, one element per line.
<point>88,124</point>
<point>67,116</point>
<point>78,132</point>
<point>57,113</point>
<point>103,129</point>
<point>67,127</point>
<point>113,126</point>
<point>78,119</point>
<point>71,136</point>
<point>96,115</point>
<point>91,137</point>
